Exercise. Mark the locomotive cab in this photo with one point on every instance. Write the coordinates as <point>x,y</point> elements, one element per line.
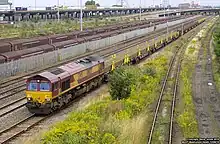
<point>38,90</point>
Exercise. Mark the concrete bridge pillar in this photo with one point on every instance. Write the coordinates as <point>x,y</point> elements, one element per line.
<point>23,17</point>
<point>13,18</point>
<point>1,17</point>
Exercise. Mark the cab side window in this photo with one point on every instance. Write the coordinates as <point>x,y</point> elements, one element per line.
<point>55,86</point>
<point>65,85</point>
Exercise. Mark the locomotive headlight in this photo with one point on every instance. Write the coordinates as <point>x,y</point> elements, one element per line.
<point>29,98</point>
<point>47,98</point>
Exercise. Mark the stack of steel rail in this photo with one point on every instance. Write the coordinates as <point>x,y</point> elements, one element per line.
<point>21,48</point>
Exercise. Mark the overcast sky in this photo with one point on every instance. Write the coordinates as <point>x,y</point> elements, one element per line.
<point>105,3</point>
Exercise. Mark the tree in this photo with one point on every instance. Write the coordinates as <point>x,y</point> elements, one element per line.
<point>121,82</point>
<point>91,2</point>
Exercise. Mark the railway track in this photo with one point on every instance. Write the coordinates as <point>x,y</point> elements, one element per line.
<point>29,121</point>
<point>167,98</point>
<point>26,123</point>
<point>17,85</point>
<point>102,53</point>
<point>17,79</point>
<point>20,127</point>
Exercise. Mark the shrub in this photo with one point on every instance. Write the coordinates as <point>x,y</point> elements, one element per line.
<point>121,81</point>
<point>108,139</point>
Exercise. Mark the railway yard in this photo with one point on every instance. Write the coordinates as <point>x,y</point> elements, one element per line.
<point>180,99</point>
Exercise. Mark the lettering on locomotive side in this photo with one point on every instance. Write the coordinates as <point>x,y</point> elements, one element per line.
<point>95,69</point>
<point>84,73</point>
<point>75,82</point>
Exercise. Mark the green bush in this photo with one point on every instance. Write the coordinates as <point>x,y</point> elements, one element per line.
<point>121,81</point>
<point>108,139</point>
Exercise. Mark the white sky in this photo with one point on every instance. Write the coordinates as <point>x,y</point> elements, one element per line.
<point>105,3</point>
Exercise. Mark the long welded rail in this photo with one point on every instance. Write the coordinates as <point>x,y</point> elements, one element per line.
<point>177,73</point>
<point>129,41</point>
<point>34,123</point>
<point>174,102</point>
<point>160,98</point>
<point>8,82</point>
<point>18,79</point>
<point>105,54</point>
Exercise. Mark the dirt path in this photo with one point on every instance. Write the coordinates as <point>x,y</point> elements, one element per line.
<point>205,95</point>
<point>213,95</point>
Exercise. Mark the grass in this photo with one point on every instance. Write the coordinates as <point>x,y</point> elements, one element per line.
<point>215,57</point>
<point>214,47</point>
<point>26,29</point>
<point>187,117</point>
<point>216,71</point>
<point>134,131</point>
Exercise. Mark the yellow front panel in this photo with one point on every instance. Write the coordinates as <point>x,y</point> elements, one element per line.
<point>39,96</point>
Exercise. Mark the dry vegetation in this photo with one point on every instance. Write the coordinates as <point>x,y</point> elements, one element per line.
<point>26,29</point>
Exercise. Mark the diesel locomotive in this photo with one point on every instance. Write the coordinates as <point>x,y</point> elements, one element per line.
<point>50,90</point>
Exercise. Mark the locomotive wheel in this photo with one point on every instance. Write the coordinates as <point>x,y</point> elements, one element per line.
<point>55,106</point>
<point>60,102</point>
<point>99,81</point>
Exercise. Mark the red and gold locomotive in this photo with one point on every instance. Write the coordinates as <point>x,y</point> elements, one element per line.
<point>50,90</point>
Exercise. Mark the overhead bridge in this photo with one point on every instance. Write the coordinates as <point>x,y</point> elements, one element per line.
<point>211,11</point>
<point>74,13</point>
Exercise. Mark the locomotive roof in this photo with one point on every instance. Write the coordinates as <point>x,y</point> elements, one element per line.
<point>71,68</point>
<point>49,76</point>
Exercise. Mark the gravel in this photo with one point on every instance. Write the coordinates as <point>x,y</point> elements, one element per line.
<point>205,96</point>
<point>12,118</point>
<point>8,100</point>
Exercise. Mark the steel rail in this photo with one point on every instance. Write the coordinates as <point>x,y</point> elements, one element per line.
<point>23,129</point>
<point>8,82</point>
<point>163,89</point>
